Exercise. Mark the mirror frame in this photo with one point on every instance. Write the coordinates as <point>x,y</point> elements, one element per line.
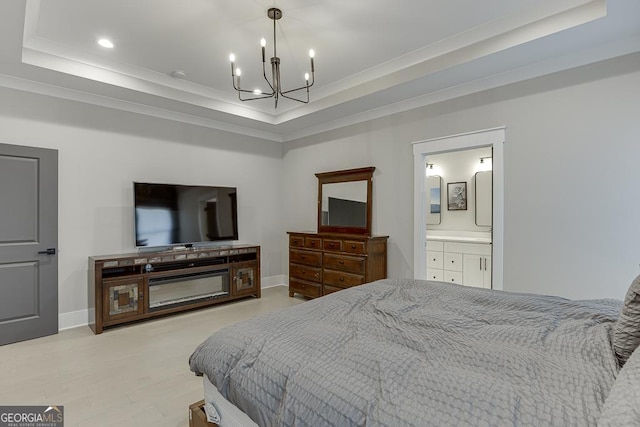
<point>349,175</point>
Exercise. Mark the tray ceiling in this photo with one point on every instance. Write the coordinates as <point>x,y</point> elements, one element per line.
<point>372,57</point>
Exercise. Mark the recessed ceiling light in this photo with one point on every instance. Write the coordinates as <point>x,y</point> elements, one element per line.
<point>106,43</point>
<point>178,74</point>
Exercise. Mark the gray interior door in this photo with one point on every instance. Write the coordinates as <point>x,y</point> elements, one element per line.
<point>28,243</point>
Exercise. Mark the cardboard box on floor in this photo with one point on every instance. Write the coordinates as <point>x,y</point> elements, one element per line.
<point>197,416</point>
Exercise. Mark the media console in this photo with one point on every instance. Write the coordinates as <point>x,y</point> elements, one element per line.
<point>132,287</point>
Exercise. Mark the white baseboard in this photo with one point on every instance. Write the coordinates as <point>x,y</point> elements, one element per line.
<point>271,281</point>
<point>75,319</point>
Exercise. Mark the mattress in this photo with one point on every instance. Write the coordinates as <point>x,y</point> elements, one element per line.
<point>409,352</point>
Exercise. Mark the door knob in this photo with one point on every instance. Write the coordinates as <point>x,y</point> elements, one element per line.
<point>50,251</point>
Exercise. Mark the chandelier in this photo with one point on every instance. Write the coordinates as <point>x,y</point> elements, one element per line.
<point>275,86</point>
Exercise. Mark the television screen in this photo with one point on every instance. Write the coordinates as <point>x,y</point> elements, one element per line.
<point>169,214</point>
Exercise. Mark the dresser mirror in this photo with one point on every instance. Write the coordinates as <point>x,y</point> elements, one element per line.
<point>344,201</point>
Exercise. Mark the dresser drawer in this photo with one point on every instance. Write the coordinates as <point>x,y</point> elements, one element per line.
<point>313,243</point>
<point>435,275</point>
<point>453,276</point>
<point>344,263</point>
<point>296,241</point>
<point>341,279</point>
<point>332,245</point>
<point>435,260</point>
<point>327,289</point>
<point>305,272</point>
<point>308,289</point>
<point>452,261</point>
<point>353,247</point>
<point>305,257</point>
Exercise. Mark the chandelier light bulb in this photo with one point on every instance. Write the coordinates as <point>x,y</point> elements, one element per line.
<point>263,42</point>
<point>232,58</point>
<point>306,76</point>
<point>312,53</point>
<point>238,72</point>
<point>257,92</point>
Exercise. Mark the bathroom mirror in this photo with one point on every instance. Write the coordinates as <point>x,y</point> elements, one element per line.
<point>434,199</point>
<point>484,198</point>
<point>344,201</point>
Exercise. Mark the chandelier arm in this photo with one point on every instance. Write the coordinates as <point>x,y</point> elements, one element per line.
<point>253,93</point>
<point>240,90</point>
<point>297,89</point>
<point>233,79</point>
<point>296,99</point>
<point>264,74</point>
<point>254,98</point>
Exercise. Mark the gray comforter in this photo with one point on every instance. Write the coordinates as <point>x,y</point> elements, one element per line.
<point>407,352</point>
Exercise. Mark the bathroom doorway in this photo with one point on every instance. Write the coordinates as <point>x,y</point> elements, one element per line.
<point>464,227</point>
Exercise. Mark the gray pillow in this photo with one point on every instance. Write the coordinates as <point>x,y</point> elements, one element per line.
<point>626,336</point>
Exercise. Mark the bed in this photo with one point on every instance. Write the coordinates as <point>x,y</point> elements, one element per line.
<point>410,352</point>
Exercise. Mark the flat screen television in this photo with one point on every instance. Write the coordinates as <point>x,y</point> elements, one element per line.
<point>171,214</point>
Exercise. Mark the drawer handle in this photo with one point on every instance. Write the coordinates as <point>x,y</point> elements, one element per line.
<point>342,279</point>
<point>331,245</point>
<point>353,246</point>
<point>313,243</point>
<point>434,259</point>
<point>303,256</point>
<point>341,262</point>
<point>452,261</point>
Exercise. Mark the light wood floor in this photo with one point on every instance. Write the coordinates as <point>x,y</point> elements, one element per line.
<point>134,375</point>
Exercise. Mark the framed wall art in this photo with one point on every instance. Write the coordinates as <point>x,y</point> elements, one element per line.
<point>457,196</point>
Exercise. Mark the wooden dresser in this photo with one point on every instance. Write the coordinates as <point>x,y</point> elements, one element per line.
<point>321,263</point>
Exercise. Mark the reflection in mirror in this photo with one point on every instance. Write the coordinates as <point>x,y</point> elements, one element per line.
<point>434,199</point>
<point>344,204</point>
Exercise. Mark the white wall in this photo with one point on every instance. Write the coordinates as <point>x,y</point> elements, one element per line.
<point>571,176</point>
<point>101,151</point>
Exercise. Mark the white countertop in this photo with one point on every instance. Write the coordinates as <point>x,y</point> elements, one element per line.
<point>459,236</point>
<point>465,239</point>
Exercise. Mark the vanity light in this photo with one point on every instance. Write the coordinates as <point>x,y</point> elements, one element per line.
<point>486,164</point>
<point>433,170</point>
